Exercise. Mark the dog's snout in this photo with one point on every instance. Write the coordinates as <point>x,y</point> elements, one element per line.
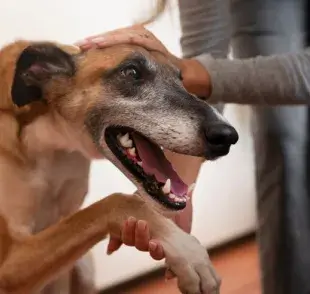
<point>219,138</point>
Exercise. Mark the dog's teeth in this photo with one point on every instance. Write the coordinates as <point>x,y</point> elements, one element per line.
<point>180,199</point>
<point>177,198</point>
<point>132,151</point>
<point>191,188</point>
<point>126,136</point>
<point>128,144</point>
<point>139,163</point>
<point>167,187</point>
<point>125,141</point>
<point>172,196</point>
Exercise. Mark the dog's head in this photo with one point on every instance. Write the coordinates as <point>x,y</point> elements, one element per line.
<point>126,104</point>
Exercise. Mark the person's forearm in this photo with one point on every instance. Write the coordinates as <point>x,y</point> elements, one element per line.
<point>275,80</point>
<point>262,80</point>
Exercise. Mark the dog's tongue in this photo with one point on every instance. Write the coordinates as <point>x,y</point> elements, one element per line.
<point>155,163</point>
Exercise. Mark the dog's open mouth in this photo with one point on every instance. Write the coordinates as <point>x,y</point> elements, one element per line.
<point>146,161</point>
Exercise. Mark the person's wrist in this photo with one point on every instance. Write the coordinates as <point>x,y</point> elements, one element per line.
<point>196,78</point>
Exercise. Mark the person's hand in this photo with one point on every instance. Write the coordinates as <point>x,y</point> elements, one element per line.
<point>134,35</point>
<point>136,233</point>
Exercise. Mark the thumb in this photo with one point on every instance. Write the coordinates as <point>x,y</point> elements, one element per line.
<point>114,244</point>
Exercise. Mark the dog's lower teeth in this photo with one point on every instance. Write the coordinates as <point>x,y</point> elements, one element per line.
<point>172,196</point>
<point>167,187</point>
<point>139,163</point>
<point>125,141</point>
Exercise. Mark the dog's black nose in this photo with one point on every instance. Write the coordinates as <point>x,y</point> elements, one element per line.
<point>219,138</point>
<point>221,134</point>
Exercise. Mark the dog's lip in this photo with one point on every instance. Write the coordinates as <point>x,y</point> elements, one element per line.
<point>143,185</point>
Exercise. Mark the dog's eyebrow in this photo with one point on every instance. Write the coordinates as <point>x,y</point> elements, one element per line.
<point>136,58</point>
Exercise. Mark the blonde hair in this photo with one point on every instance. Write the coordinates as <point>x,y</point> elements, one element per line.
<point>156,13</point>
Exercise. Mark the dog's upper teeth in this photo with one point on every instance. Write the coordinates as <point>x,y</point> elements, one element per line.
<point>119,136</point>
<point>139,163</point>
<point>126,136</point>
<point>129,144</point>
<point>167,187</point>
<point>132,151</point>
<point>125,141</point>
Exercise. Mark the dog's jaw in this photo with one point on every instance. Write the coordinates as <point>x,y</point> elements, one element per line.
<point>52,132</point>
<point>141,192</point>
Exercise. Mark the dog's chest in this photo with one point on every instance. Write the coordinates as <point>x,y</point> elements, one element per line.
<point>60,181</point>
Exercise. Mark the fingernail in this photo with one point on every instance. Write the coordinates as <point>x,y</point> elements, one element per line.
<point>153,246</point>
<point>141,225</point>
<point>98,40</point>
<point>81,42</point>
<point>87,45</point>
<point>131,219</point>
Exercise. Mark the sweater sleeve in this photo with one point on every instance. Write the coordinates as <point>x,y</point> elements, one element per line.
<point>280,79</point>
<point>275,80</point>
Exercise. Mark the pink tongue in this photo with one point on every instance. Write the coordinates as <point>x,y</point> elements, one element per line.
<point>155,163</point>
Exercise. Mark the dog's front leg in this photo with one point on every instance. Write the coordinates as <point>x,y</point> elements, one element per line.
<point>30,263</point>
<point>48,253</point>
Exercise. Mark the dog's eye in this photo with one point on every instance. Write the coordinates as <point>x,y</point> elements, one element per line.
<point>131,71</point>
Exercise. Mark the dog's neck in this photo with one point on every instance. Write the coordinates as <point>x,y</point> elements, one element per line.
<point>50,132</point>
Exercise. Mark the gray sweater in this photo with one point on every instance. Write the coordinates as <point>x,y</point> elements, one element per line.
<point>279,79</point>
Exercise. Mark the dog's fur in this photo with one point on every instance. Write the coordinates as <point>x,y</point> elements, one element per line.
<point>55,104</point>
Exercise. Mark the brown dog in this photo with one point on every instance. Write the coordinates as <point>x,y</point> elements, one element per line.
<point>60,109</point>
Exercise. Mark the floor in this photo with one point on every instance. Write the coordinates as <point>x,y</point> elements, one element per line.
<point>237,264</point>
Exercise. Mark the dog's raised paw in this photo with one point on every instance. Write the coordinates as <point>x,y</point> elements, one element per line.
<point>191,264</point>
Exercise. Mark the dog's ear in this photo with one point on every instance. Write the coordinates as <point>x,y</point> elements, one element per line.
<point>36,65</point>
